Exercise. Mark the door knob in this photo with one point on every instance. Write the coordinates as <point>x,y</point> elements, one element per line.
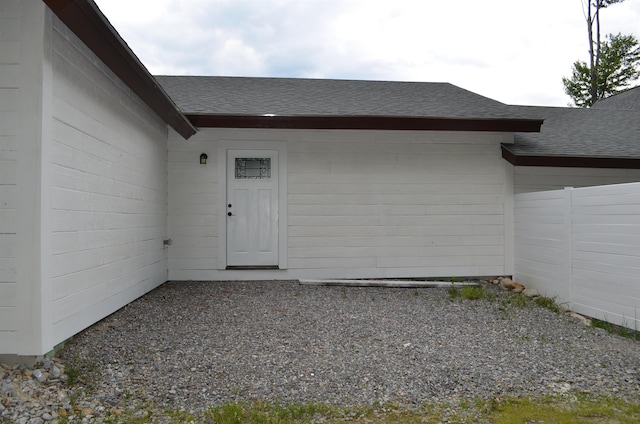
<point>230,214</point>
<point>229,205</point>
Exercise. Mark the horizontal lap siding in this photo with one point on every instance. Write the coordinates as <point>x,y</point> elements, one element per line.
<point>193,207</point>
<point>360,203</point>
<point>9,66</point>
<point>540,178</point>
<point>385,204</point>
<point>540,246</point>
<point>108,190</point>
<point>606,253</point>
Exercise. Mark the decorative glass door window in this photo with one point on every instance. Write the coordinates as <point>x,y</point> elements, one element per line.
<point>253,168</point>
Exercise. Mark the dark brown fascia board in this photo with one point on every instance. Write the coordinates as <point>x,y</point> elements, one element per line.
<point>86,21</point>
<point>570,161</point>
<point>364,123</point>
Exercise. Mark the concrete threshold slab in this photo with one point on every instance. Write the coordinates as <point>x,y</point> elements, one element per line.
<point>386,283</point>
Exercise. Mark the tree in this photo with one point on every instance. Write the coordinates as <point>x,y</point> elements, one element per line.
<point>592,15</point>
<point>591,9</point>
<point>618,65</point>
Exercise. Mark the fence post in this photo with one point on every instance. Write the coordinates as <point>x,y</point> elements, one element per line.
<point>568,244</point>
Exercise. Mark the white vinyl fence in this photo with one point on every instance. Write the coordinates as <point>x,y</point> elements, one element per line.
<point>582,246</point>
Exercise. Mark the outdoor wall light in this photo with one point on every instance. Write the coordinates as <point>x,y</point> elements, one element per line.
<point>203,159</point>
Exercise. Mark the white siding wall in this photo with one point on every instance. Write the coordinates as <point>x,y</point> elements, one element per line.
<point>360,204</point>
<point>9,63</point>
<point>583,245</point>
<point>540,178</point>
<point>108,190</point>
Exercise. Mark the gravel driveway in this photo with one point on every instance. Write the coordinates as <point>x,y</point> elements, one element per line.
<point>198,344</point>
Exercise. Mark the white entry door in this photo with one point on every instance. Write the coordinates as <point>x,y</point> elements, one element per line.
<point>252,208</point>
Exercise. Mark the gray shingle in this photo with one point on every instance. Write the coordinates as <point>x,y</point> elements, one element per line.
<point>627,100</point>
<point>606,133</point>
<point>319,97</point>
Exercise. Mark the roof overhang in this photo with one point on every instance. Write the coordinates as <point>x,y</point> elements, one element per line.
<point>86,21</point>
<point>365,123</point>
<point>569,161</point>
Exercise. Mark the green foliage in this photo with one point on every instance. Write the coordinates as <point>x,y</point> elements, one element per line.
<point>558,411</point>
<point>468,292</point>
<point>549,303</point>
<point>472,292</point>
<point>453,293</point>
<point>616,329</point>
<point>266,412</point>
<point>617,68</point>
<point>561,410</point>
<point>76,371</point>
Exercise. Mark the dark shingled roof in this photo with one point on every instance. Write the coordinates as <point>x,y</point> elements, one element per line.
<point>627,100</point>
<point>579,137</point>
<point>205,95</point>
<point>582,132</point>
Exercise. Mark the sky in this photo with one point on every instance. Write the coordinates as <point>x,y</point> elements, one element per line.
<point>513,51</point>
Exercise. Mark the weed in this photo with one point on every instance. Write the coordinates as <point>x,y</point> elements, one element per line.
<point>453,293</point>
<point>76,371</point>
<point>472,292</point>
<point>265,412</point>
<point>616,329</point>
<point>514,300</point>
<point>549,303</point>
<point>555,410</point>
<point>73,375</point>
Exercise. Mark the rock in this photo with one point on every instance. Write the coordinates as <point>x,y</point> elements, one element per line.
<point>560,387</point>
<point>518,288</point>
<point>55,372</point>
<point>47,417</point>
<point>87,412</point>
<point>586,321</point>
<point>507,284</point>
<point>38,375</point>
<point>531,293</point>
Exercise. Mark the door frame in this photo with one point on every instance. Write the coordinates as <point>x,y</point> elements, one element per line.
<point>223,147</point>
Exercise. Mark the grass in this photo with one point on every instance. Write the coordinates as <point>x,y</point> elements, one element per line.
<point>616,329</point>
<point>577,411</point>
<point>470,293</point>
<point>549,303</point>
<point>560,409</point>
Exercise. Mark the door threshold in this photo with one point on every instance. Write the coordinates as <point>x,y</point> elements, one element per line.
<point>251,267</point>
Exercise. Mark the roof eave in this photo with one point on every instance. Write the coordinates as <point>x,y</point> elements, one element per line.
<point>364,123</point>
<point>86,21</point>
<point>567,161</point>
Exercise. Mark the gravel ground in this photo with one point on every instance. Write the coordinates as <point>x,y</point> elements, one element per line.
<point>193,345</point>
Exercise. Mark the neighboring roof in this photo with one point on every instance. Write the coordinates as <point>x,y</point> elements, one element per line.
<point>325,103</point>
<point>88,23</point>
<point>627,100</point>
<point>605,138</point>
